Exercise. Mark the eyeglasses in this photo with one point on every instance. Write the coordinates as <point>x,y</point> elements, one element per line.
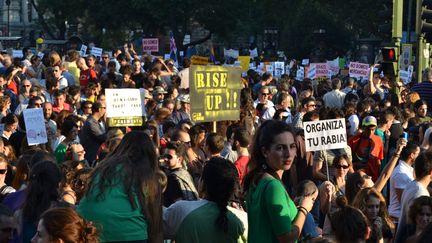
<point>105,57</point>
<point>56,71</point>
<point>265,94</point>
<point>341,167</point>
<point>170,64</point>
<point>3,171</point>
<point>168,156</point>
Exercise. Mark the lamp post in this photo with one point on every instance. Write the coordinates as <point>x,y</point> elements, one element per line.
<point>8,2</point>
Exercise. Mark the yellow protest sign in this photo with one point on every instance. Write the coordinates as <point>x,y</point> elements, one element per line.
<point>244,62</point>
<point>199,60</point>
<point>215,93</point>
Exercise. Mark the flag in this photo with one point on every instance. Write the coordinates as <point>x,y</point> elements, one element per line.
<point>173,48</point>
<point>212,54</point>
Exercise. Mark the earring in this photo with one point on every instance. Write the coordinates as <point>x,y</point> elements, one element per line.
<point>264,166</point>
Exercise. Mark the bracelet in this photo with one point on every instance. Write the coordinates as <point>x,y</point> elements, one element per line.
<point>303,210</point>
<point>396,155</point>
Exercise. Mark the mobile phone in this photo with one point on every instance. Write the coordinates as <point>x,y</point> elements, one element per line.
<point>405,135</point>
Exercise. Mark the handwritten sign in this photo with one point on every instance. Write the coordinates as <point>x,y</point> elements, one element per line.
<point>35,126</point>
<point>150,45</point>
<point>215,93</point>
<point>96,51</point>
<point>358,70</point>
<point>125,107</point>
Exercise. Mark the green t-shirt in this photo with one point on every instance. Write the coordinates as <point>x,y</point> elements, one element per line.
<point>113,214</point>
<point>195,222</point>
<point>270,211</point>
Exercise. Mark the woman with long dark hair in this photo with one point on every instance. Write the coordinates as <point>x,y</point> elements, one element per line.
<point>124,196</point>
<point>207,220</point>
<point>272,215</point>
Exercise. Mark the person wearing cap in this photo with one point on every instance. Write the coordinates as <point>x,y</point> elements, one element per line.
<point>183,114</point>
<point>159,95</point>
<point>367,148</point>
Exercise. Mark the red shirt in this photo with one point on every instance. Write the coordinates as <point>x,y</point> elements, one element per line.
<point>241,165</point>
<point>57,109</point>
<point>86,76</point>
<point>371,149</point>
<point>13,87</point>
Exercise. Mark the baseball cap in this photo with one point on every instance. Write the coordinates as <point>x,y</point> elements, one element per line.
<point>184,98</point>
<point>159,90</point>
<point>369,121</point>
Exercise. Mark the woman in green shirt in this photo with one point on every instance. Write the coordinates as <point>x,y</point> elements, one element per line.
<point>272,215</point>
<point>124,197</point>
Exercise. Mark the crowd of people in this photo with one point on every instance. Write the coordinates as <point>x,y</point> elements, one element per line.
<point>172,179</point>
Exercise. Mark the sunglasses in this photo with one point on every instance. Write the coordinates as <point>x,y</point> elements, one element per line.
<point>341,167</point>
<point>265,94</point>
<point>168,156</point>
<point>3,171</point>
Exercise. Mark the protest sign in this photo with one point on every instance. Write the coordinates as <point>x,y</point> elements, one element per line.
<point>404,76</point>
<point>358,70</point>
<point>406,55</point>
<point>279,69</point>
<point>231,53</point>
<point>325,134</point>
<point>269,68</point>
<point>17,54</point>
<point>150,45</point>
<point>214,93</point>
<point>96,51</point>
<point>333,67</point>
<point>35,126</point>
<point>322,70</point>
<point>167,56</point>
<point>124,107</point>
<point>305,62</point>
<point>198,60</point>
<point>300,73</point>
<point>254,52</point>
<point>83,50</point>
<point>311,72</point>
<point>244,62</point>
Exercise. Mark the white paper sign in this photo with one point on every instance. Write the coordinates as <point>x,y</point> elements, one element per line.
<point>150,45</point>
<point>325,134</point>
<point>404,76</point>
<point>124,103</point>
<point>253,53</point>
<point>231,53</point>
<point>167,56</point>
<point>270,69</point>
<point>405,59</point>
<point>312,71</point>
<point>96,51</point>
<point>17,54</point>
<point>358,70</point>
<point>300,73</point>
<point>83,51</point>
<point>279,69</point>
<point>305,62</point>
<point>333,67</point>
<point>35,126</point>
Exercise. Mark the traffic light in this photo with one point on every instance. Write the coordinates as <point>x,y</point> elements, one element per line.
<point>386,17</point>
<point>389,62</point>
<point>424,18</point>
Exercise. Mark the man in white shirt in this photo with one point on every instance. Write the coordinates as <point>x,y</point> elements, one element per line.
<point>335,98</point>
<point>402,175</point>
<point>415,189</point>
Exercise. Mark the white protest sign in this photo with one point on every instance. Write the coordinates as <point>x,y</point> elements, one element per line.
<point>17,54</point>
<point>150,45</point>
<point>333,67</point>
<point>253,53</point>
<point>167,56</point>
<point>231,53</point>
<point>35,126</point>
<point>300,73</point>
<point>83,51</point>
<point>325,134</point>
<point>270,69</point>
<point>124,103</point>
<point>358,70</point>
<point>305,62</point>
<point>411,71</point>
<point>322,70</point>
<point>181,53</point>
<point>96,51</point>
<point>404,76</point>
<point>406,54</point>
<point>279,69</point>
<point>311,71</point>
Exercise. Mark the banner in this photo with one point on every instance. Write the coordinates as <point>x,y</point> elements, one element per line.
<point>358,70</point>
<point>124,107</point>
<point>198,60</point>
<point>214,93</point>
<point>322,70</point>
<point>244,62</point>
<point>325,134</point>
<point>150,45</point>
<point>35,126</point>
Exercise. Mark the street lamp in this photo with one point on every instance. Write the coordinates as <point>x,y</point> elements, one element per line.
<point>8,2</point>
